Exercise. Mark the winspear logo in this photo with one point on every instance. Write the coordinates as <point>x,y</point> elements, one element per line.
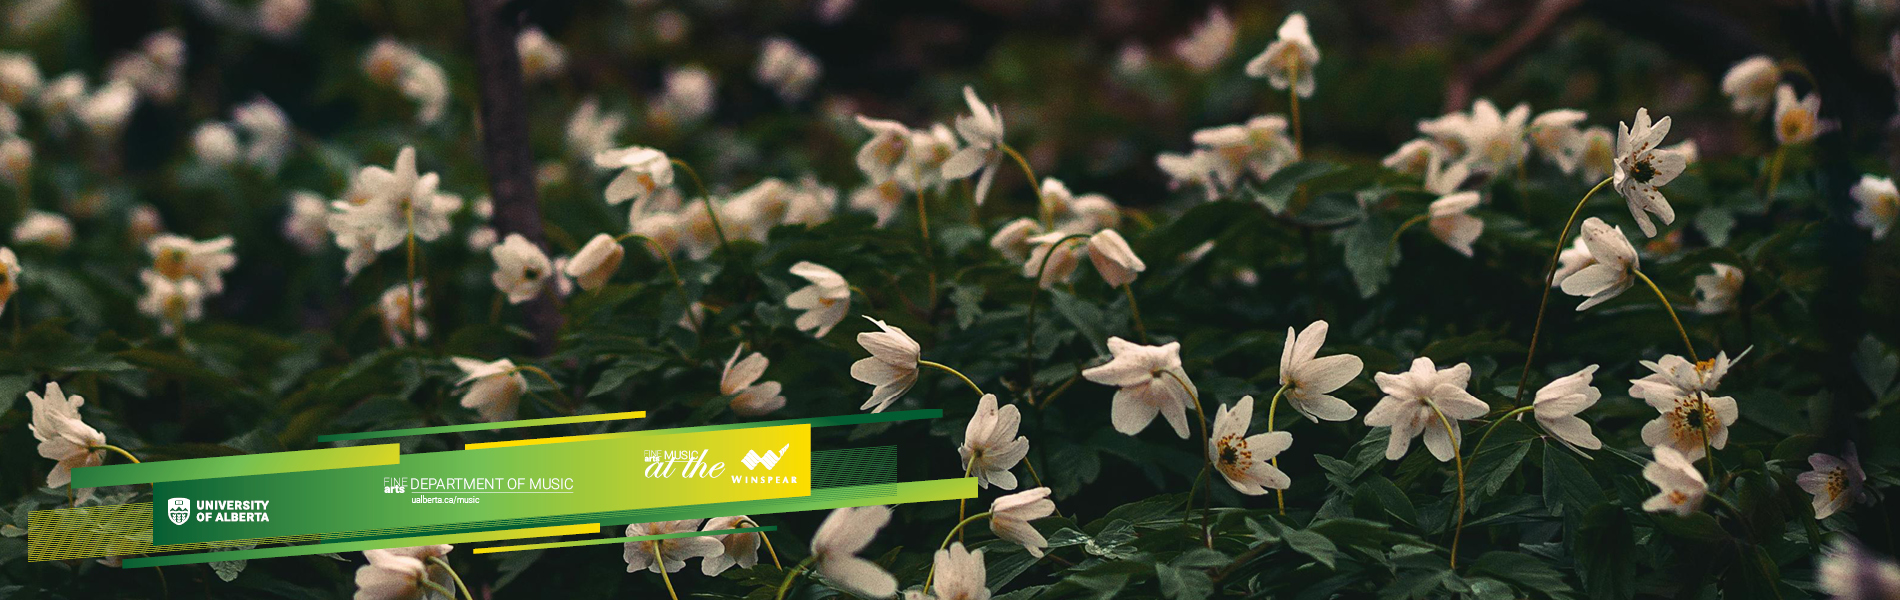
<point>179,509</point>
<point>752,459</point>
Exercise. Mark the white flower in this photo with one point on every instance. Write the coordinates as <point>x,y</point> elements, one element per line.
<point>834,548</point>
<point>589,132</point>
<point>156,68</point>
<point>739,549</point>
<point>1571,260</point>
<point>268,130</point>
<point>889,144</point>
<point>1879,204</point>
<point>1452,222</point>
<point>64,437</point>
<point>1681,487</point>
<point>1242,459</point>
<point>494,388</point>
<point>521,269</point>
<point>307,224</point>
<point>825,302</point>
<point>9,276</point>
<point>282,18</point>
<point>16,160</point>
<point>1259,146</point>
<point>143,222</point>
<point>1676,376</point>
<point>1289,60</point>
<point>1555,135</point>
<point>982,129</point>
<point>1643,166</point>
<point>215,144</point>
<point>1408,407</point>
<point>1717,292</point>
<point>891,368</point>
<point>1848,572</point>
<point>172,301</point>
<point>960,575</point>
<point>1797,120</point>
<point>880,199</point>
<point>923,161</point>
<point>1413,157</point>
<point>787,69</point>
<point>1054,258</point>
<point>990,444</point>
<point>1834,482</point>
<point>105,111</point>
<point>178,257</point>
<point>810,203</point>
<point>1209,43</point>
<point>1750,84</point>
<point>1494,141</point>
<point>386,61</point>
<point>749,399</point>
<point>1113,259</point>
<point>1195,168</point>
<point>1010,516</point>
<point>1012,240</point>
<point>1613,267</point>
<point>398,573</point>
<point>428,85</point>
<point>1310,381</point>
<point>1556,406</point>
<point>401,317</point>
<point>672,552</point>
<point>688,97</point>
<point>1684,418</point>
<point>1147,376</point>
<point>19,78</point>
<point>541,58</point>
<point>1596,154</point>
<point>385,206</point>
<point>644,171</point>
<point>44,229</point>
<point>596,262</point>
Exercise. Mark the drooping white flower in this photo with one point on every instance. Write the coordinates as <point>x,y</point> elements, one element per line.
<point>1413,157</point>
<point>825,302</point>
<point>1750,84</point>
<point>1849,572</point>
<point>1310,380</point>
<point>1113,259</point>
<point>1408,404</point>
<point>889,144</point>
<point>1556,406</point>
<point>401,315</point>
<point>739,549</point>
<point>738,380</point>
<point>1242,459</point>
<point>9,276</point>
<point>1012,240</point>
<point>541,57</point>
<point>386,60</point>
<point>891,368</point>
<point>282,18</point>
<point>1680,487</point>
<point>1879,204</point>
<point>589,132</point>
<point>1717,292</point>
<point>673,552</point>
<point>1797,119</point>
<point>1053,258</point>
<point>521,268</point>
<point>1612,268</point>
<point>982,129</point>
<point>1209,43</point>
<point>398,573</point>
<point>1194,168</point>
<point>64,437</point>
<point>1555,135</point>
<point>596,262</point>
<point>1452,222</point>
<point>643,171</point>
<point>106,110</point>
<point>41,228</point>
<point>960,576</point>
<point>880,199</point>
<point>1151,383</point>
<point>1596,154</point>
<point>494,388</point>
<point>1010,516</point>
<point>1290,59</point>
<point>172,301</point>
<point>428,85</point>
<point>215,144</point>
<point>179,257</point>
<point>835,547</point>
<point>788,69</point>
<point>1643,166</point>
<point>688,97</point>
<point>1835,482</point>
<point>990,444</point>
<point>809,202</point>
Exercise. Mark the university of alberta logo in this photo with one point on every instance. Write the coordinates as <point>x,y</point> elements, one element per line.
<point>179,509</point>
<point>752,459</point>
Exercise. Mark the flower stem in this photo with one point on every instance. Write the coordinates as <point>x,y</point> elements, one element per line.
<point>1272,407</point>
<point>1708,451</point>
<point>930,255</point>
<point>1206,461</point>
<point>121,451</point>
<point>1672,313</point>
<point>961,502</point>
<point>706,198</point>
<point>1494,426</point>
<point>1459,459</point>
<point>1293,113</point>
<point>1135,310</point>
<point>1038,478</point>
<point>1042,204</point>
<point>466,595</point>
<point>793,574</point>
<point>748,522</point>
<point>946,544</point>
<point>952,371</point>
<point>1774,171</point>
<point>667,257</point>
<point>1394,244</point>
<point>409,213</point>
<point>659,560</point>
<point>1029,341</point>
<point>1550,272</point>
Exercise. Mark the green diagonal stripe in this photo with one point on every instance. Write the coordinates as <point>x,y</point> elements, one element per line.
<point>370,435</point>
<point>622,540</point>
<point>235,466</point>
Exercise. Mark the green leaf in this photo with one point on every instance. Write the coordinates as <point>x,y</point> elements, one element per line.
<point>627,367</point>
<point>1311,544</point>
<point>1697,526</point>
<point>1379,493</point>
<point>1087,318</point>
<point>1528,574</point>
<point>1878,366</point>
<point>13,388</point>
<point>1603,553</point>
<point>1568,487</point>
<point>1278,190</point>
<point>968,300</point>
<point>1493,467</point>
<point>1368,254</point>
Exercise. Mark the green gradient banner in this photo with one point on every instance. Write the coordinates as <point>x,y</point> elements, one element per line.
<point>237,466</point>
